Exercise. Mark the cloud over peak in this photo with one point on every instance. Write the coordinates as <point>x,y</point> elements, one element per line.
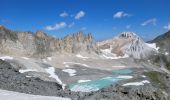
<point>152,21</point>
<point>167,27</point>
<point>57,26</point>
<point>80,15</point>
<point>121,14</point>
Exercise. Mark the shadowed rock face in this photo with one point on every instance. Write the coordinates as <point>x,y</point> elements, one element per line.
<point>163,41</point>
<point>40,44</point>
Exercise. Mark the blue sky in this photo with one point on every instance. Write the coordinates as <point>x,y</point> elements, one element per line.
<point>103,18</point>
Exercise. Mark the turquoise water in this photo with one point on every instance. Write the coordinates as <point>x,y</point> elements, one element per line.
<point>95,85</point>
<point>122,71</point>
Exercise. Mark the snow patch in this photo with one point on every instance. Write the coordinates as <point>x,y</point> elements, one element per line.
<point>67,66</point>
<point>25,58</point>
<point>84,88</point>
<point>152,45</point>
<point>71,72</point>
<point>136,83</point>
<point>143,76</point>
<point>80,56</point>
<point>166,53</point>
<point>124,77</point>
<point>76,63</point>
<point>81,81</point>
<point>6,57</point>
<point>27,70</point>
<point>114,57</point>
<point>44,61</point>
<point>49,58</point>
<point>118,66</point>
<point>51,71</point>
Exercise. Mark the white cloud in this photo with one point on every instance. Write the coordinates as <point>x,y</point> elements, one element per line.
<point>150,21</point>
<point>56,26</point>
<point>80,15</point>
<point>167,27</point>
<point>64,14</point>
<point>71,25</point>
<point>128,26</point>
<point>121,14</point>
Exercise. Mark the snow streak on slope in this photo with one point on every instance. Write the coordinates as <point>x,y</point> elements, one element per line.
<point>51,71</point>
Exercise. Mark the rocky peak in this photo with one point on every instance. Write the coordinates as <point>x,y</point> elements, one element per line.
<point>126,35</point>
<point>127,43</point>
<point>40,34</point>
<point>7,34</point>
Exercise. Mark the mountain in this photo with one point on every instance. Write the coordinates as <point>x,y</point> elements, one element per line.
<point>127,43</point>
<point>163,42</point>
<point>42,45</point>
<point>76,67</point>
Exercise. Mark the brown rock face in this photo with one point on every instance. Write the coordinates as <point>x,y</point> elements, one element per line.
<point>41,45</point>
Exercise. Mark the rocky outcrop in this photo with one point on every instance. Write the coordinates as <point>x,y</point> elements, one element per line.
<point>41,45</point>
<point>12,80</point>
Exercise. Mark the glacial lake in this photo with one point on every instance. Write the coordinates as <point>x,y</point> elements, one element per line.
<point>95,85</point>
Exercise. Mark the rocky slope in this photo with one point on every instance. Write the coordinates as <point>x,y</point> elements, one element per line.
<point>40,44</point>
<point>128,43</point>
<point>163,42</point>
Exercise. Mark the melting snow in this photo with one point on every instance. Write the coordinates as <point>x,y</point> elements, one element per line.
<point>81,81</point>
<point>166,53</point>
<point>67,66</point>
<point>6,57</point>
<point>84,88</point>
<point>76,63</point>
<point>153,45</point>
<point>51,71</point>
<point>119,66</point>
<point>49,58</point>
<point>112,57</point>
<point>136,83</point>
<point>80,56</point>
<point>71,72</point>
<point>26,70</point>
<point>124,77</point>
<point>25,58</point>
<point>143,76</point>
<point>44,61</point>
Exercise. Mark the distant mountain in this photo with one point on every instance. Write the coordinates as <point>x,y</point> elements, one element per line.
<point>128,43</point>
<point>163,42</point>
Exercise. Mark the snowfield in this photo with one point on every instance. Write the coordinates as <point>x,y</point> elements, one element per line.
<point>136,83</point>
<point>71,72</point>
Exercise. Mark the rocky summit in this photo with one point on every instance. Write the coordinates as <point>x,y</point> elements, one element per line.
<point>77,67</point>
